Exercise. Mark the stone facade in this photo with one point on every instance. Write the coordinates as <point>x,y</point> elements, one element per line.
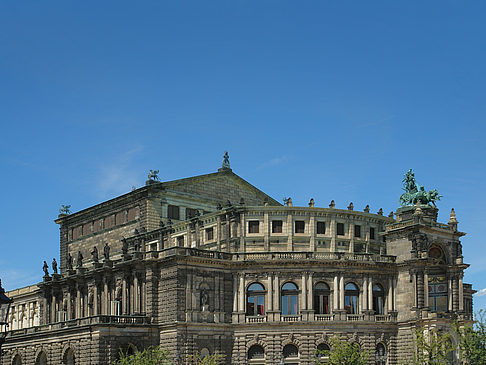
<point>212,264</point>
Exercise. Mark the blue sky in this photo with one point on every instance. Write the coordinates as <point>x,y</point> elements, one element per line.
<point>330,100</point>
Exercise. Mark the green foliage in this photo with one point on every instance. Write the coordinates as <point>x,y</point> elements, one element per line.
<point>343,352</point>
<point>433,347</point>
<point>149,356</point>
<point>473,340</point>
<point>158,356</point>
<point>215,359</point>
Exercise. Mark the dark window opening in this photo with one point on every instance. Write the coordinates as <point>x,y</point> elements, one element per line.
<point>299,226</point>
<point>357,231</point>
<point>191,213</point>
<point>378,299</point>
<point>180,241</point>
<point>256,352</point>
<point>340,229</point>
<point>253,227</point>
<point>173,212</point>
<point>372,233</point>
<point>277,226</point>
<point>210,234</point>
<point>321,227</point>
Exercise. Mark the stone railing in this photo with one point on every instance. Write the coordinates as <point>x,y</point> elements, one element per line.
<point>323,317</point>
<point>290,318</point>
<point>398,225</point>
<point>355,317</point>
<point>79,322</point>
<point>256,319</point>
<point>331,256</point>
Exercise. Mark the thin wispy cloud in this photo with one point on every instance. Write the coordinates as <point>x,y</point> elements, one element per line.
<point>273,162</point>
<point>481,293</point>
<point>118,176</point>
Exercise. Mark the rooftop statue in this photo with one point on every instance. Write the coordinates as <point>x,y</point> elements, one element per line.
<point>65,209</point>
<point>54,266</point>
<point>153,175</point>
<point>416,194</point>
<point>226,163</point>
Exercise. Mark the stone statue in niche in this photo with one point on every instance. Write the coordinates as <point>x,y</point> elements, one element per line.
<point>106,251</point>
<point>124,246</point>
<point>94,254</point>
<point>204,299</point>
<point>69,261</point>
<point>79,261</point>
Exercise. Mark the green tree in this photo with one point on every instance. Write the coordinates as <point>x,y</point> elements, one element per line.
<point>152,355</point>
<point>472,340</point>
<point>343,352</point>
<point>433,347</point>
<point>155,355</point>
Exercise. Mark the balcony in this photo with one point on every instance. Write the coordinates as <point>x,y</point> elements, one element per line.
<point>329,318</point>
<point>81,322</point>
<point>256,319</point>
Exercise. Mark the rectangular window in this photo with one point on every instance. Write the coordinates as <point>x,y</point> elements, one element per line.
<point>209,234</point>
<point>277,226</point>
<point>131,214</point>
<point>340,229</point>
<point>180,241</point>
<point>190,213</point>
<point>357,231</point>
<point>253,226</point>
<point>321,227</point>
<point>173,212</point>
<point>372,233</point>
<point>299,226</point>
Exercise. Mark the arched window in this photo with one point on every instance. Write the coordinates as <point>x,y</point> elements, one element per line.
<point>321,298</point>
<point>41,359</point>
<point>290,352</point>
<point>322,352</point>
<point>351,293</point>
<point>380,354</point>
<point>256,352</point>
<point>290,295</point>
<point>17,360</point>
<point>436,253</point>
<point>69,358</point>
<point>378,298</point>
<point>255,300</point>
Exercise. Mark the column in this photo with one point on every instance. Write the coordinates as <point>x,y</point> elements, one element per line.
<point>290,232</point>
<point>235,293</point>
<point>276,292</point>
<point>78,303</point>
<point>364,297</point>
<point>426,290</point>
<point>270,293</point>
<point>312,231</point>
<point>95,299</point>
<point>136,301</point>
<point>370,293</point>
<point>341,292</point>
<point>53,310</point>
<point>124,297</point>
<point>351,236</point>
<point>266,232</point>
<point>390,295</point>
<point>243,233</point>
<point>415,291</point>
<point>218,232</point>
<point>461,293</point>
<point>309,291</point>
<point>303,298</point>
<point>332,230</point>
<point>449,292</point>
<point>105,298</point>
<point>188,293</point>
<point>241,294</point>
<point>335,292</point>
<point>69,307</point>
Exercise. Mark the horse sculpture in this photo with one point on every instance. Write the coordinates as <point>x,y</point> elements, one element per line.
<point>416,194</point>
